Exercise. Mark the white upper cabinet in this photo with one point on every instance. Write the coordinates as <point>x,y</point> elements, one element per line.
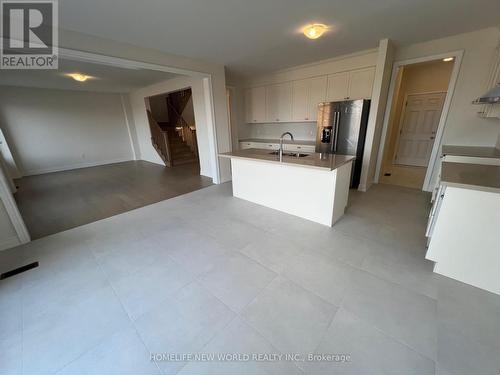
<point>297,101</point>
<point>338,87</point>
<point>255,104</point>
<point>317,94</point>
<point>306,95</point>
<point>279,102</point>
<point>356,84</point>
<point>361,83</point>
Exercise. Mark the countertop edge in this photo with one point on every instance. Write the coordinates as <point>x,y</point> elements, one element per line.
<point>326,169</point>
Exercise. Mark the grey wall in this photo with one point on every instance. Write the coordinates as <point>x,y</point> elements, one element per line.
<point>49,130</point>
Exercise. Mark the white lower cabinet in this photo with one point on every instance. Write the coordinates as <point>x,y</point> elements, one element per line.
<point>296,147</point>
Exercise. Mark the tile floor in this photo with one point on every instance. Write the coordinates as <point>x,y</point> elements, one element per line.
<point>207,273</point>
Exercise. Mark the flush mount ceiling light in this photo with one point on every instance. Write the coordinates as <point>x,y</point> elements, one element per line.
<point>79,77</point>
<point>446,59</point>
<point>315,30</point>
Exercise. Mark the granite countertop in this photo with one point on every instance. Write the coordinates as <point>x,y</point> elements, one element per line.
<point>471,176</point>
<point>472,151</point>
<point>285,141</point>
<point>315,160</point>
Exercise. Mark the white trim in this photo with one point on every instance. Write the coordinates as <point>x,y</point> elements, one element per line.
<point>9,242</point>
<point>33,172</point>
<point>12,210</point>
<point>212,131</point>
<point>444,113</point>
<point>127,123</point>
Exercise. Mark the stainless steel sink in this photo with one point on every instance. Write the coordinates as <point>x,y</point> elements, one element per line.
<point>292,154</point>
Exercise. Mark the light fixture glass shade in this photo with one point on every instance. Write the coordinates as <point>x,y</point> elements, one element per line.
<point>491,97</point>
<point>79,77</point>
<point>315,30</point>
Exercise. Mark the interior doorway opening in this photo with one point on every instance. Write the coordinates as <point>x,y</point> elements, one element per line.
<point>173,127</point>
<point>420,92</point>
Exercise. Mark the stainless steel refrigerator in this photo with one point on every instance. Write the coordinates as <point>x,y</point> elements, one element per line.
<point>341,129</point>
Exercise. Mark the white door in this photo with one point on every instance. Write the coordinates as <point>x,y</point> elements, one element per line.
<point>419,123</point>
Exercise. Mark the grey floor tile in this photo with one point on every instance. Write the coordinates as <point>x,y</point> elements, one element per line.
<point>144,289</point>
<point>405,315</point>
<point>473,312</point>
<point>123,353</point>
<point>369,350</point>
<point>273,252</point>
<point>402,266</point>
<point>60,336</point>
<point>320,274</point>
<point>11,353</point>
<point>240,339</point>
<point>236,279</point>
<point>183,324</point>
<point>291,318</point>
<point>194,251</point>
<point>460,355</point>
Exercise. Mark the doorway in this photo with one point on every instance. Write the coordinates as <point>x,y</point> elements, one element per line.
<point>417,105</point>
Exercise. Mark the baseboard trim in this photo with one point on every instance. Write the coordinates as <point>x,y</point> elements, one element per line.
<point>9,242</point>
<point>34,172</point>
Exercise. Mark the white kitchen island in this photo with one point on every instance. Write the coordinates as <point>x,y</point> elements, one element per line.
<point>314,187</point>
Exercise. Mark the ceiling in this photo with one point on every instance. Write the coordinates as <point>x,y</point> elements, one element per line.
<point>107,78</point>
<point>257,36</point>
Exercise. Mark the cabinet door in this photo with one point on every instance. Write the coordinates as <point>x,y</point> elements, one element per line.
<point>255,104</point>
<point>338,87</point>
<point>279,102</point>
<point>317,93</point>
<point>361,83</point>
<point>300,100</point>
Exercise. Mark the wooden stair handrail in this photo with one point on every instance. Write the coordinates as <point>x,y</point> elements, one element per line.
<point>160,140</point>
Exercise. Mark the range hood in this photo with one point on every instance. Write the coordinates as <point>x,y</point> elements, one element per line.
<point>491,97</point>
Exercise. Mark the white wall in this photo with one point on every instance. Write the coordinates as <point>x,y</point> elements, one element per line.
<point>146,150</point>
<point>49,130</point>
<point>215,87</point>
<point>8,236</point>
<point>463,125</point>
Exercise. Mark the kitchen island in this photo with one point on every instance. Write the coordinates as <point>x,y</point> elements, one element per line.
<point>312,186</point>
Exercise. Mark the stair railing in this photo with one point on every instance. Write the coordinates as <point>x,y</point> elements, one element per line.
<point>159,138</point>
<point>188,135</point>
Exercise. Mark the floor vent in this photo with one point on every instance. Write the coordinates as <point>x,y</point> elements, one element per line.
<point>387,174</point>
<point>18,270</point>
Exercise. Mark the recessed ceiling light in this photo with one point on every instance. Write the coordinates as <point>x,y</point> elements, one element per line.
<point>448,59</point>
<point>79,77</point>
<point>315,30</point>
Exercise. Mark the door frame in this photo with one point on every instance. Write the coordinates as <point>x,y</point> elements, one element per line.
<point>401,118</point>
<point>457,55</point>
<point>6,195</point>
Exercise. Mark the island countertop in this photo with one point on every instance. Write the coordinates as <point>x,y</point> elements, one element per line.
<point>312,160</point>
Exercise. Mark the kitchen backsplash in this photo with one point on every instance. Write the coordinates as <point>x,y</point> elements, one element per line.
<point>302,131</point>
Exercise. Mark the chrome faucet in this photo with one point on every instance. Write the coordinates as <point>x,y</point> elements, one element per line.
<point>281,144</point>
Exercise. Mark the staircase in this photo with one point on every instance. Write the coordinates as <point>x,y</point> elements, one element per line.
<point>175,141</point>
<point>180,151</point>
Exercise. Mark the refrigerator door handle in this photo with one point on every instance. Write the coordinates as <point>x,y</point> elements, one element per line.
<point>336,131</point>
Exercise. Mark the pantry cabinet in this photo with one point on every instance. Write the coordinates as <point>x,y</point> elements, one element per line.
<point>306,95</point>
<point>356,84</point>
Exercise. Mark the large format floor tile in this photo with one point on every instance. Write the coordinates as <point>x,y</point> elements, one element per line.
<point>208,273</point>
<point>291,318</point>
